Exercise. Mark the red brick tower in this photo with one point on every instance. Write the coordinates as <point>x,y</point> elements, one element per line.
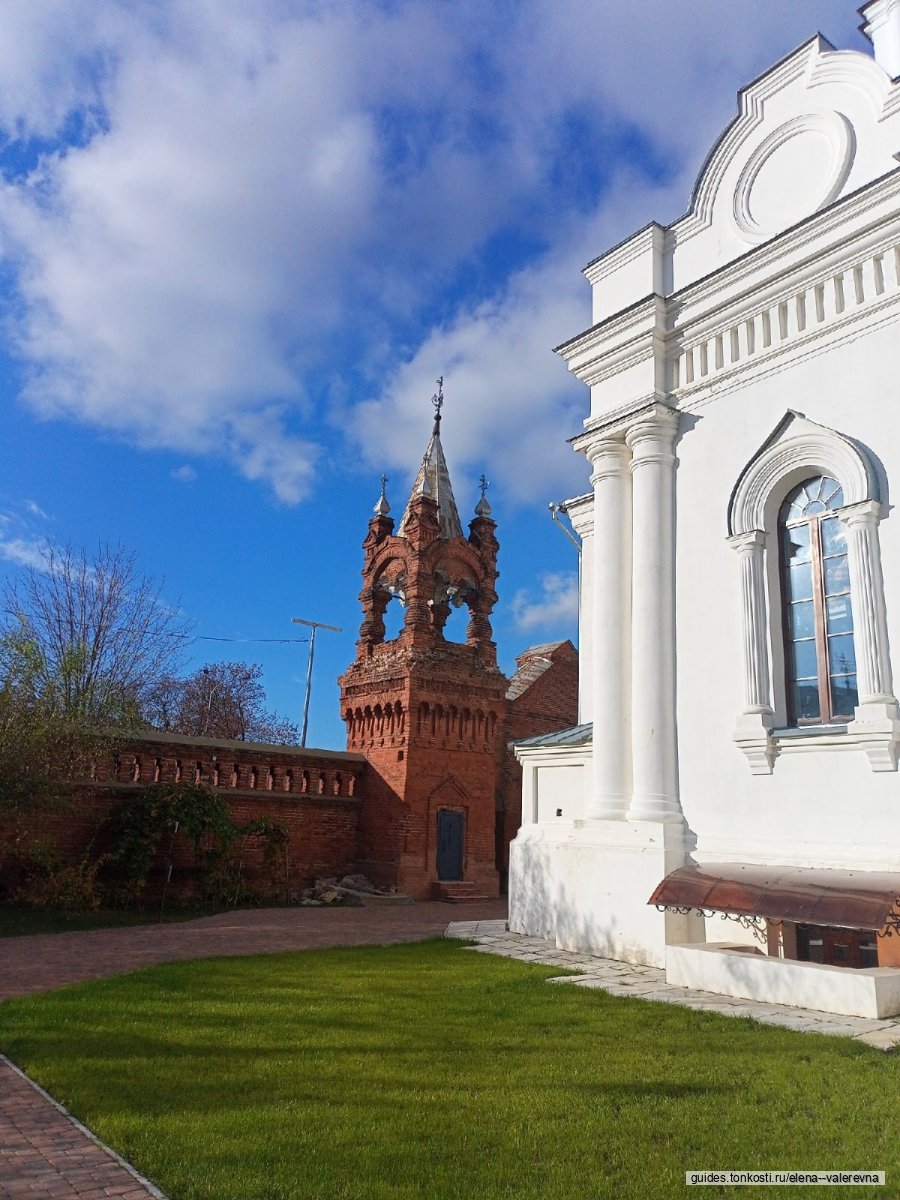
<point>428,713</point>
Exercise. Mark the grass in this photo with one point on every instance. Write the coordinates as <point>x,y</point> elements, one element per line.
<point>20,921</point>
<point>393,1073</point>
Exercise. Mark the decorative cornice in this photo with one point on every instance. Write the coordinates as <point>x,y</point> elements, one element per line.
<point>612,328</point>
<point>630,337</point>
<point>624,252</point>
<point>615,423</point>
<point>754,269</point>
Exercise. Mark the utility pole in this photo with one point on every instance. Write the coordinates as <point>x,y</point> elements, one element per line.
<point>313,625</point>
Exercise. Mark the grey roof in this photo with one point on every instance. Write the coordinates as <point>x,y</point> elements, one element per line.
<point>530,666</point>
<point>545,648</point>
<point>578,735</point>
<point>433,480</point>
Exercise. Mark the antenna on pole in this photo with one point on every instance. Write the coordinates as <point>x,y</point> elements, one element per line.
<point>313,625</point>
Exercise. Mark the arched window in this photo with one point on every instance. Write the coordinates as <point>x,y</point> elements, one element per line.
<point>820,657</point>
<point>803,519</point>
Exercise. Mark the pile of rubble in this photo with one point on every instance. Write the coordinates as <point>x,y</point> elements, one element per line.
<point>351,890</point>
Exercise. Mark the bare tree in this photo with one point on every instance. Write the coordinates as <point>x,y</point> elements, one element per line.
<point>98,633</point>
<point>222,700</point>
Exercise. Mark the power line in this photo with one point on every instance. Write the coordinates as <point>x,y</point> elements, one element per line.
<point>200,637</point>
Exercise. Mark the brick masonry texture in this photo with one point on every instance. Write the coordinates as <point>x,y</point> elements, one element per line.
<point>314,795</point>
<point>434,718</point>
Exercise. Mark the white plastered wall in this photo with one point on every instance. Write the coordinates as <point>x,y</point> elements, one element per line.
<point>760,307</point>
<point>825,808</point>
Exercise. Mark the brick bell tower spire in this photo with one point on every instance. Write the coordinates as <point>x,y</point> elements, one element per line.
<point>427,712</point>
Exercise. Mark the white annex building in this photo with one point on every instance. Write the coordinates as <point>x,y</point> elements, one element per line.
<point>730,805</point>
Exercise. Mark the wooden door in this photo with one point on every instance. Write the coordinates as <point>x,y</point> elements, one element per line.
<point>449,845</point>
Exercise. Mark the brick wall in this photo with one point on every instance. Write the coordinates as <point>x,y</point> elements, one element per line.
<point>427,731</point>
<point>313,794</point>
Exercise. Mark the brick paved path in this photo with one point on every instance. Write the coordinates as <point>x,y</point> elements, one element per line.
<point>44,1154</point>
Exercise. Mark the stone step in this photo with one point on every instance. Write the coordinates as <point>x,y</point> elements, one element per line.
<point>459,891</point>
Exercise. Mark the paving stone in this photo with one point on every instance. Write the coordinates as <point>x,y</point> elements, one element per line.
<point>882,1039</point>
<point>648,983</point>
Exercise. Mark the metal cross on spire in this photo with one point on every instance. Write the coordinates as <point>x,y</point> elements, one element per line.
<point>438,401</point>
<point>382,508</point>
<point>482,508</point>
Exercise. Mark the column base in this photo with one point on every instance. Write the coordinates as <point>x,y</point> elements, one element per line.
<point>657,808</point>
<point>587,888</point>
<point>753,736</point>
<point>876,730</point>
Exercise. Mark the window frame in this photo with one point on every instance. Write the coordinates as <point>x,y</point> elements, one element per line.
<point>796,450</point>
<point>812,522</point>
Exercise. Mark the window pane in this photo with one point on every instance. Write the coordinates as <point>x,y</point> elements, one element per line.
<point>838,614</point>
<point>796,544</point>
<point>805,701</point>
<point>841,655</point>
<point>803,619</point>
<point>844,696</point>
<point>830,492</point>
<point>868,954</point>
<point>837,575</point>
<point>812,496</point>
<point>804,661</point>
<point>799,582</point>
<point>834,536</point>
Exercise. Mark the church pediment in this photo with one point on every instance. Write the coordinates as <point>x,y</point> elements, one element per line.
<point>818,126</point>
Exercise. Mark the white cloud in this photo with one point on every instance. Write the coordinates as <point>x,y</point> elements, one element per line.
<point>235,199</point>
<point>35,510</point>
<point>184,474</point>
<point>24,552</point>
<point>510,404</point>
<point>554,609</point>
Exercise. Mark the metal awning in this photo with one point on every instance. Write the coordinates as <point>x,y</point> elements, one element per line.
<point>845,899</point>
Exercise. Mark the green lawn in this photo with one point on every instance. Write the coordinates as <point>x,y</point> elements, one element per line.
<point>394,1073</point>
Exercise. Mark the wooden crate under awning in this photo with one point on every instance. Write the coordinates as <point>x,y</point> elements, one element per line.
<point>843,899</point>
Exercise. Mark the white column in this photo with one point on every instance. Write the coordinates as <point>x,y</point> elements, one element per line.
<point>610,759</point>
<point>754,729</point>
<point>873,667</point>
<point>654,784</point>
<point>757,686</point>
<point>876,722</point>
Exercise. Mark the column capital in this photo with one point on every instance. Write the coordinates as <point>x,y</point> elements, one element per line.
<point>658,420</point>
<point>753,539</point>
<point>608,456</point>
<point>651,437</point>
<point>866,512</point>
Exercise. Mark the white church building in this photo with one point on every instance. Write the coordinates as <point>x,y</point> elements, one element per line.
<point>729,806</point>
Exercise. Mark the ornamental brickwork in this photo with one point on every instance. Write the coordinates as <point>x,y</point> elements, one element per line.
<point>441,799</point>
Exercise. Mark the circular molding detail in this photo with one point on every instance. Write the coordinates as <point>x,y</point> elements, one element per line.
<point>798,169</point>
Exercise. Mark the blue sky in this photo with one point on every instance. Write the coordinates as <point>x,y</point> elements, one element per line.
<point>240,239</point>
